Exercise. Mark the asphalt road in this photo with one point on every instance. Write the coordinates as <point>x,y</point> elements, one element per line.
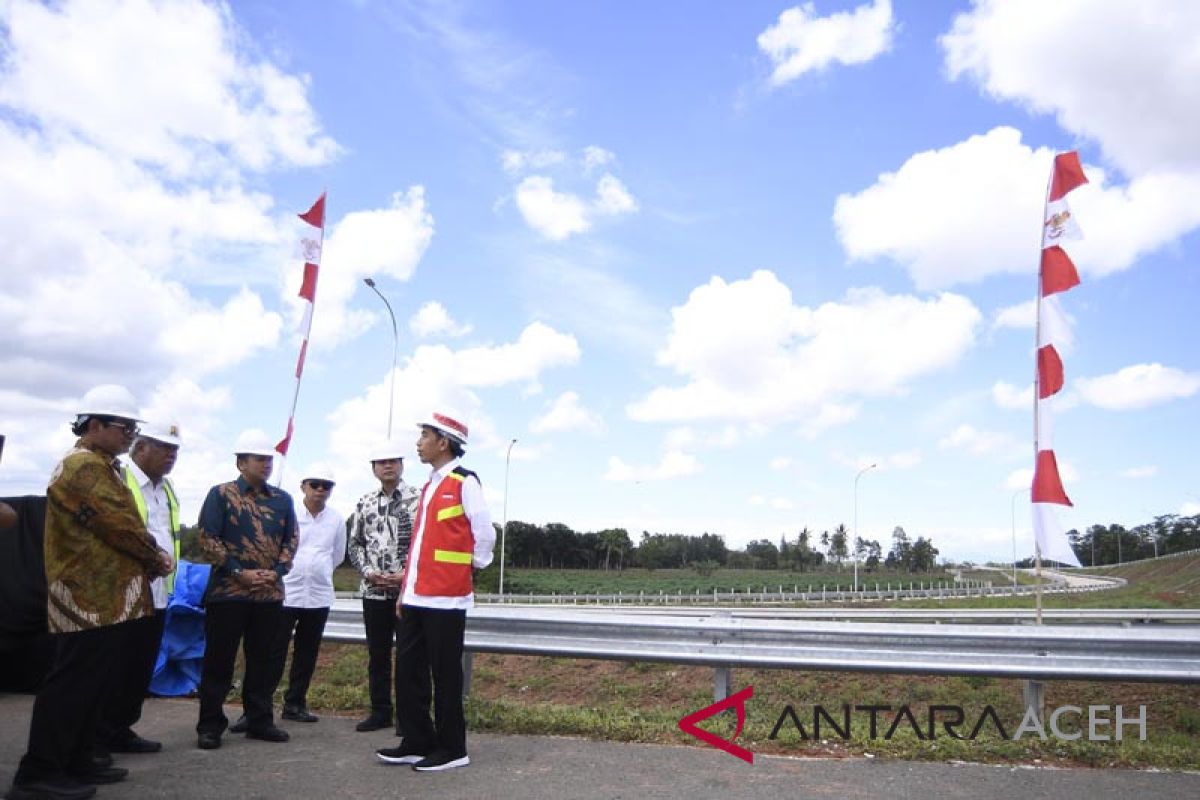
<point>330,760</point>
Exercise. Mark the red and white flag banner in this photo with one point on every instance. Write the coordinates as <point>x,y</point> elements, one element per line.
<point>311,243</point>
<point>1056,274</point>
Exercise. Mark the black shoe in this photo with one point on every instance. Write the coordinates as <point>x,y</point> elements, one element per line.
<point>208,741</point>
<point>101,775</point>
<point>135,744</point>
<point>440,760</point>
<point>50,789</point>
<point>298,714</point>
<point>101,758</point>
<point>270,733</point>
<point>375,722</point>
<point>404,754</point>
<point>241,726</point>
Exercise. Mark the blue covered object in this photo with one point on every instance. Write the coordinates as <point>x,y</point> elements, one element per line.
<point>177,671</point>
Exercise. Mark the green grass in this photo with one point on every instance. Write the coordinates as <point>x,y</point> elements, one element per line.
<point>643,702</point>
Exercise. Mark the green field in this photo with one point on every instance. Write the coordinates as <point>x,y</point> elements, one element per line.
<point>641,702</point>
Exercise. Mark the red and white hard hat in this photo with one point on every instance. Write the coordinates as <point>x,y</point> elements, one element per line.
<point>444,423</point>
<point>109,400</point>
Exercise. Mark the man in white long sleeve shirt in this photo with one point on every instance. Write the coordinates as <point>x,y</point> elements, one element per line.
<point>308,590</point>
<point>453,536</point>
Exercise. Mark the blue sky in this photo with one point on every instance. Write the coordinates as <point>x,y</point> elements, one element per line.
<point>704,261</point>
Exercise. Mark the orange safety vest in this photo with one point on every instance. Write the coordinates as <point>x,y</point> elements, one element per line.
<point>447,544</point>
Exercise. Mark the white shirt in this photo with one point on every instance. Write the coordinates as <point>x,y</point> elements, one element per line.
<point>158,522</point>
<point>320,547</point>
<point>481,528</point>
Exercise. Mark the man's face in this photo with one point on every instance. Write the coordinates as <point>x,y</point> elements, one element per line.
<point>388,470</point>
<point>316,492</point>
<point>255,469</point>
<point>155,458</point>
<point>429,444</point>
<point>113,436</point>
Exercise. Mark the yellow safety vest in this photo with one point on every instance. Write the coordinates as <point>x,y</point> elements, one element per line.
<point>172,506</point>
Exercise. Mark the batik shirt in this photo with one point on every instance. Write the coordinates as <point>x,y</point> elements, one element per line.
<point>246,528</point>
<point>380,531</point>
<point>99,555</point>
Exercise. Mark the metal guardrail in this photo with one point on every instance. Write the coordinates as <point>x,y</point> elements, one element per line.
<point>722,641</point>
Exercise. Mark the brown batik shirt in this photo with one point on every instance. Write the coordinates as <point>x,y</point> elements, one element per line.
<point>99,556</point>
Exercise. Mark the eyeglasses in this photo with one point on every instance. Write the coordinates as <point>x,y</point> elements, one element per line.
<point>130,428</point>
<point>321,486</point>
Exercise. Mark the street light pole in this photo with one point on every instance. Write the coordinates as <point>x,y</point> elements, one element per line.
<point>855,543</point>
<point>1013,507</point>
<point>504,523</point>
<point>395,352</point>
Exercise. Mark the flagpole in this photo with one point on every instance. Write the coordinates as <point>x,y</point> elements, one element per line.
<point>312,311</point>
<point>1037,343</point>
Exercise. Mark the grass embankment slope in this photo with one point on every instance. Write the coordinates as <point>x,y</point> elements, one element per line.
<point>643,702</point>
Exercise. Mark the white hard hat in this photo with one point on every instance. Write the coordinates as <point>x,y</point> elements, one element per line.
<point>254,442</point>
<point>386,451</point>
<point>446,424</point>
<point>167,434</point>
<point>109,400</point>
<point>318,472</point>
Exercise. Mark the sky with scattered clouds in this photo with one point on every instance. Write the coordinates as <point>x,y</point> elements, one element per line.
<point>704,262</point>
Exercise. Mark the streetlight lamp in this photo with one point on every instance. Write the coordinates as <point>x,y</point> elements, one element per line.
<point>855,544</point>
<point>1012,504</point>
<point>395,351</point>
<point>504,524</point>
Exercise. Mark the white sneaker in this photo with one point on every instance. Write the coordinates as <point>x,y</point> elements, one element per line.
<point>440,761</point>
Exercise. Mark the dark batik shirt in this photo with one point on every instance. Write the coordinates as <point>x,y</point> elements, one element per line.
<point>246,528</point>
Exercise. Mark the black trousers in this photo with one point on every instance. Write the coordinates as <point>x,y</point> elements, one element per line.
<point>429,642</point>
<point>379,619</point>
<point>123,707</point>
<point>305,626</point>
<point>226,623</point>
<point>68,706</point>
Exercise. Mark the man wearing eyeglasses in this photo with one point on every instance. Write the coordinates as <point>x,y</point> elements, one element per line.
<point>308,590</point>
<point>379,533</point>
<point>99,562</point>
<point>151,458</point>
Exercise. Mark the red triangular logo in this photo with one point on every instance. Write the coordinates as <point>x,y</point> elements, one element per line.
<point>738,701</point>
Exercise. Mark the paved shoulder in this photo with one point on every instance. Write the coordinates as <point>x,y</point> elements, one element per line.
<point>329,759</point>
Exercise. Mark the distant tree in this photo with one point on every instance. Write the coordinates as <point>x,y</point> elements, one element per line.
<point>838,545</point>
<point>763,553</point>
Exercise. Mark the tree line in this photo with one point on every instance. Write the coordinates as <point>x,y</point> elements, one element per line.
<point>557,546</point>
<point>1114,544</point>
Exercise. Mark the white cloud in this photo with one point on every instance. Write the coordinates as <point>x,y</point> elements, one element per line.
<point>613,198</point>
<point>965,212</point>
<point>802,42</point>
<point>1123,74</point>
<point>905,459</point>
<point>555,215</point>
<point>674,464</point>
<point>558,215</point>
<point>1148,471</point>
<point>517,161</point>
<point>756,500</point>
<point>829,415</point>
<point>432,319</point>
<point>782,504</point>
<point>1012,397</point>
<point>594,157</point>
<point>1022,315</point>
<point>380,243</point>
<point>566,414</point>
<point>165,84</point>
<point>781,463</point>
<point>977,442</point>
<point>1137,386</point>
<point>748,353</point>
<point>1189,509</point>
